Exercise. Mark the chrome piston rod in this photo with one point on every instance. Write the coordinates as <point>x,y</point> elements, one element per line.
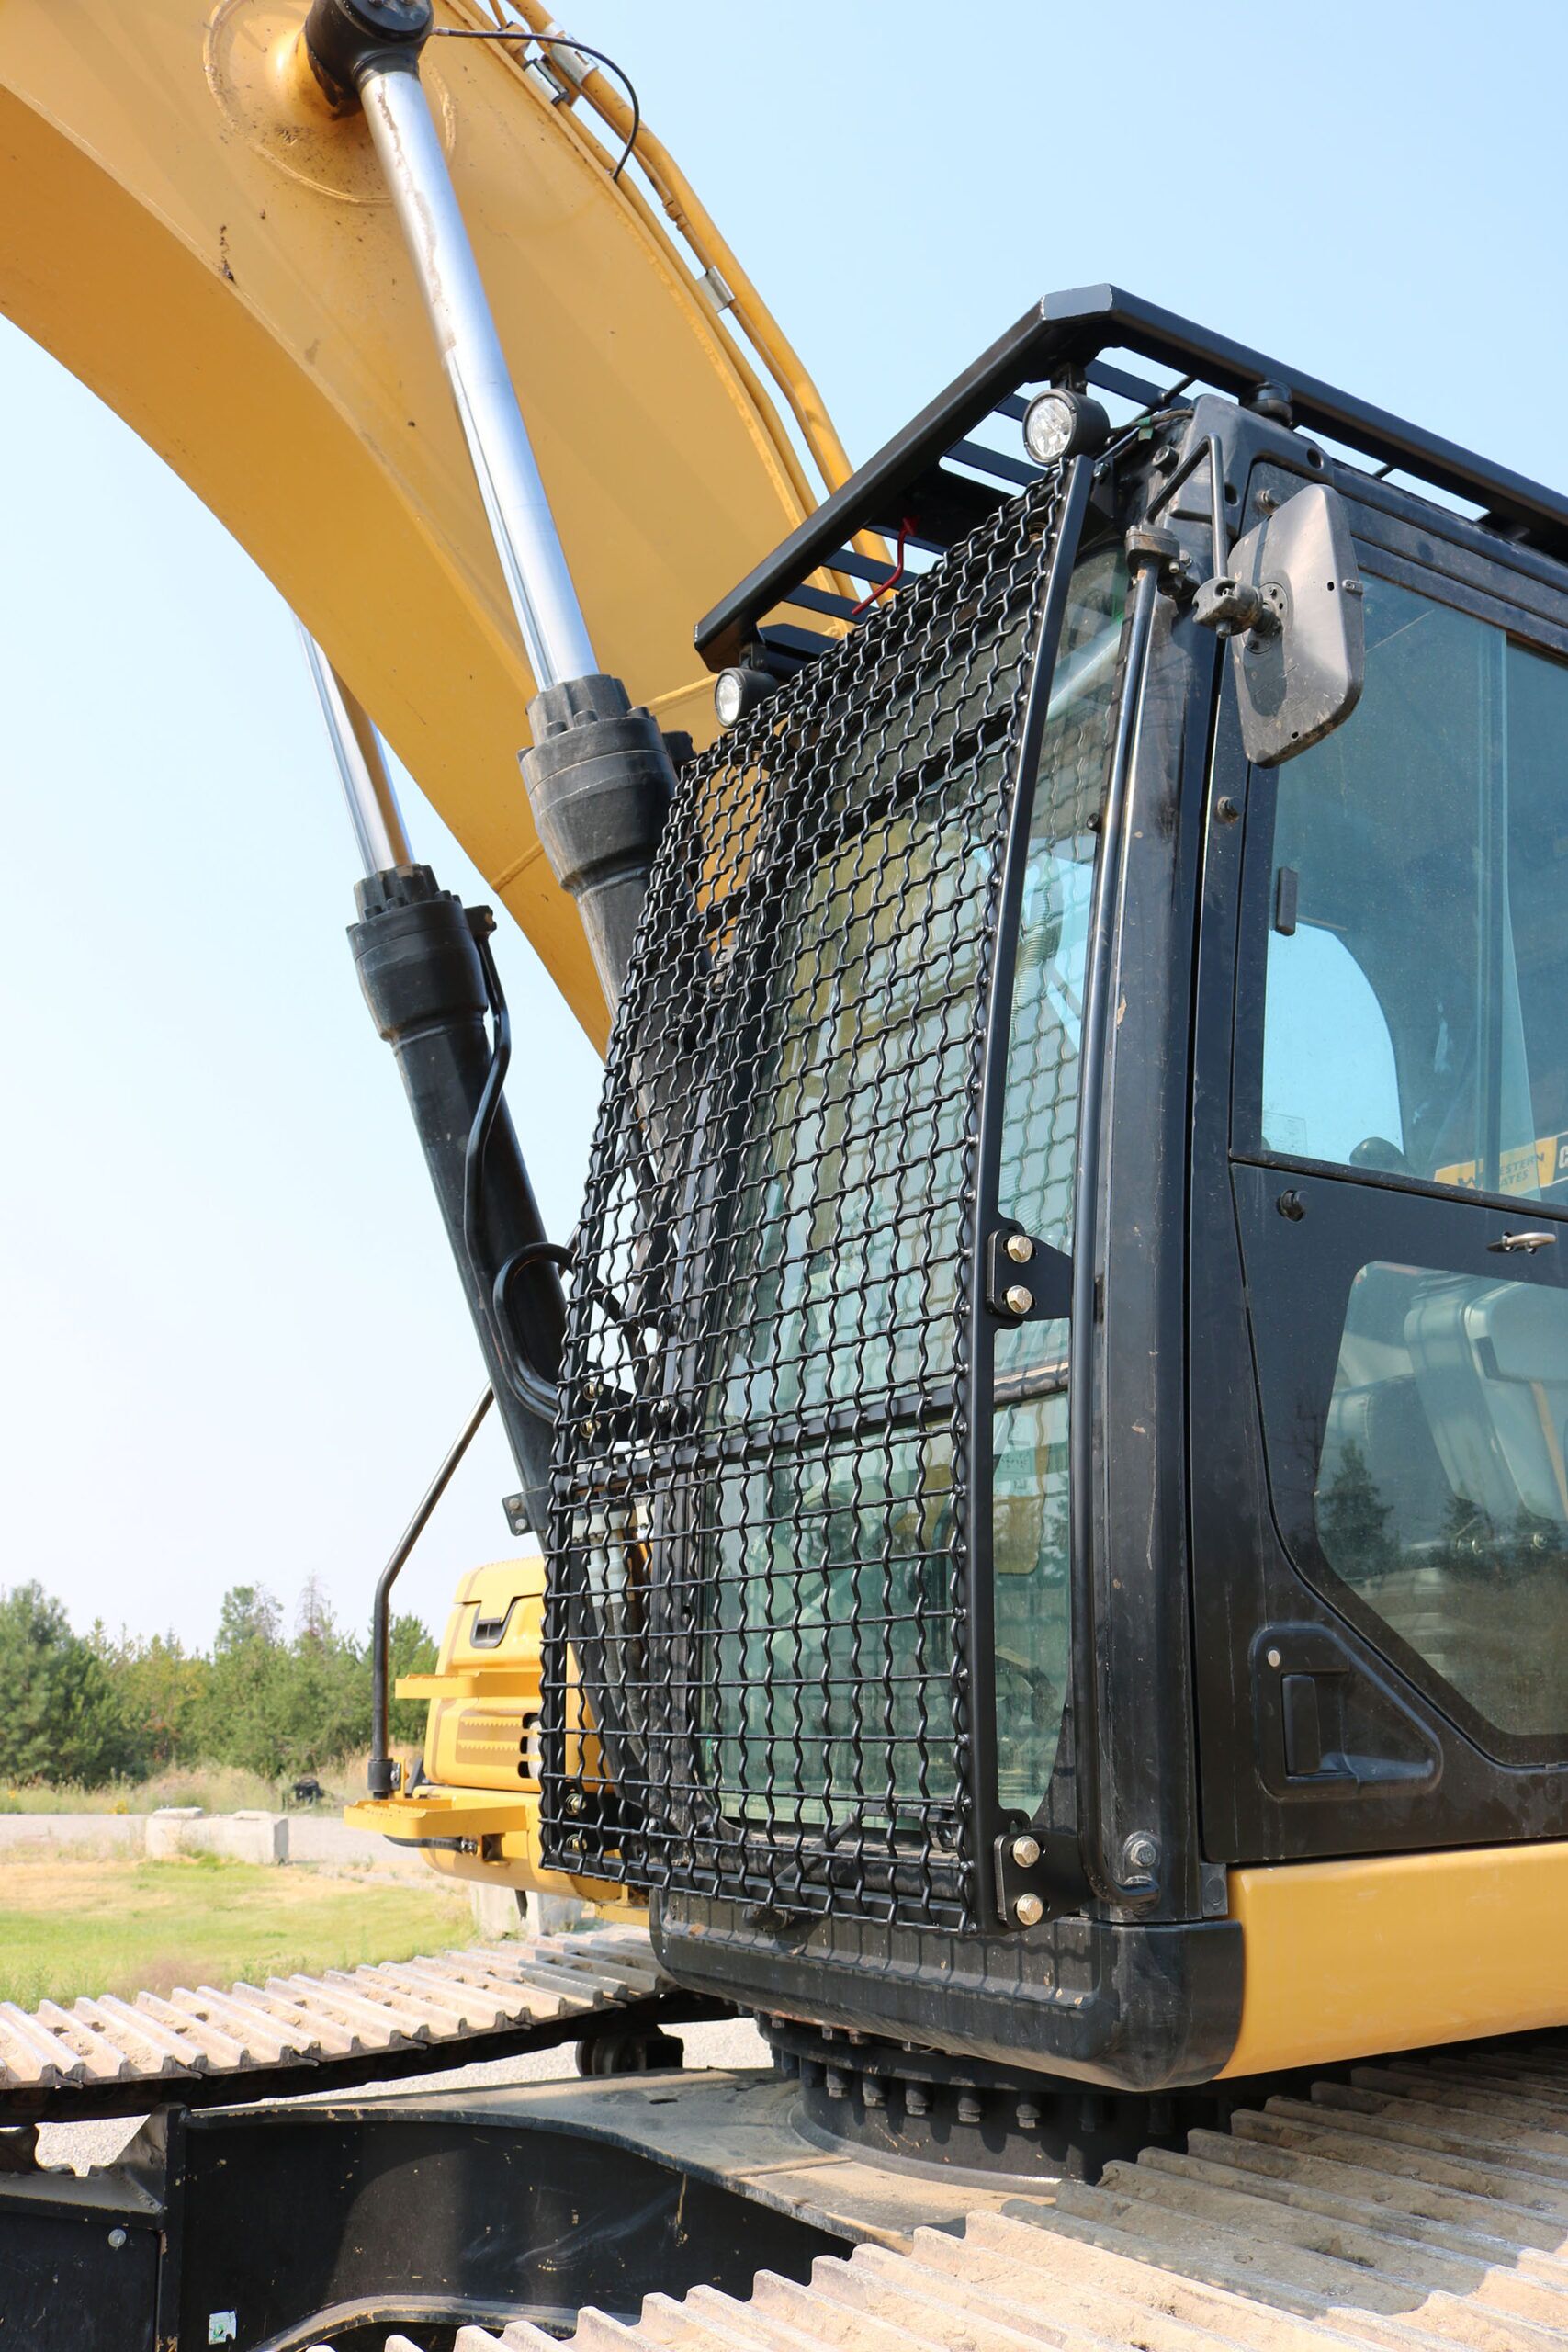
<point>538,580</point>
<point>373,810</point>
<point>597,771</point>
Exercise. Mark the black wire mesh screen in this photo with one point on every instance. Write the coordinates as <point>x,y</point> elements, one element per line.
<point>756,1677</point>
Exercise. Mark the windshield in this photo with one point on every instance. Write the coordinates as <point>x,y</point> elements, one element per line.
<point>1418,953</point>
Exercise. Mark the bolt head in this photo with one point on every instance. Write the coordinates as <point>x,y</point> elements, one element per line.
<point>1026,1851</point>
<point>1019,1299</point>
<point>1029,1910</point>
<point>1141,1851</point>
<point>1273,1657</point>
<point>1020,1249</point>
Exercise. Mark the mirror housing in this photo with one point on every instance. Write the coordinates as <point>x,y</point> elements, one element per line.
<point>1293,606</point>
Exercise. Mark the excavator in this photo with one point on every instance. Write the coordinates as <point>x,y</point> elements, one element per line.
<point>1042,1462</point>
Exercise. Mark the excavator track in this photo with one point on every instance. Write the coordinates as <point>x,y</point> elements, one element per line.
<point>202,2047</point>
<point>1421,2202</point>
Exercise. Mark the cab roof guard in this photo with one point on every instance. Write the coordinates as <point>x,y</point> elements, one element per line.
<point>933,481</point>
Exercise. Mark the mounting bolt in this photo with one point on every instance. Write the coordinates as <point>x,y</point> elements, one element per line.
<point>1025,1851</point>
<point>1020,1249</point>
<point>116,2239</point>
<point>1274,1659</point>
<point>1140,1854</point>
<point>1029,1910</point>
<point>1017,1299</point>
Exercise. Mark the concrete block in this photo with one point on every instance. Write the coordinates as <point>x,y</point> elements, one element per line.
<point>248,1836</point>
<point>167,1827</point>
<point>495,1912</point>
<point>557,1914</point>
<point>332,1844</point>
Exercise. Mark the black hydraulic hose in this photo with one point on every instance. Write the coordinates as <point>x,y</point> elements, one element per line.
<point>531,1387</point>
<point>381,1776</point>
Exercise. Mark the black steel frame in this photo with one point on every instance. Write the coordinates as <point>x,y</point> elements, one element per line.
<point>610,1838</point>
<point>1474,1786</point>
<point>915,476</point>
<point>344,2222</point>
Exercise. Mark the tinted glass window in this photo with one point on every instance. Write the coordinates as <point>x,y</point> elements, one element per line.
<point>1419,952</point>
<point>1441,1495</point>
<point>1039,1164</point>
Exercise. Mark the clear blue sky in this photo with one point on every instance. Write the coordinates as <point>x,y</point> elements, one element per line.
<point>230,1342</point>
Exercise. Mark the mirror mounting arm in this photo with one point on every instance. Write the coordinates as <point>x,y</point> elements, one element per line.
<point>1235,607</point>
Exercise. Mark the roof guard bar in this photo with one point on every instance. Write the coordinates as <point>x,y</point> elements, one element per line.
<point>1068,331</point>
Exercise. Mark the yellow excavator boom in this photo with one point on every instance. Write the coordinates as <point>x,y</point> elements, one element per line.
<point>190,231</point>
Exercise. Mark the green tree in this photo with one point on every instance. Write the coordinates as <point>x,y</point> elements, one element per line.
<point>411,1651</point>
<point>60,1713</point>
<point>280,1707</point>
<point>1352,1520</point>
<point>239,1721</point>
<point>1467,1546</point>
<point>162,1692</point>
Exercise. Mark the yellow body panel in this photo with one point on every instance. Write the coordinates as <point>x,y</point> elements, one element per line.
<point>223,269</point>
<point>481,1760</point>
<point>1345,1959</point>
<point>508,1828</point>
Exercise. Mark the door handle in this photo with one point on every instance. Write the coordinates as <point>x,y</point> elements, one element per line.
<point>1527,1241</point>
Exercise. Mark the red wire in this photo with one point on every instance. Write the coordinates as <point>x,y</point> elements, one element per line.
<point>894,577</point>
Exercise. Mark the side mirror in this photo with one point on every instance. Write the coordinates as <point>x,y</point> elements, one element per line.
<point>1292,606</point>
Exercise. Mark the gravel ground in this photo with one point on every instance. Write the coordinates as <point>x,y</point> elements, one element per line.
<point>735,2042</point>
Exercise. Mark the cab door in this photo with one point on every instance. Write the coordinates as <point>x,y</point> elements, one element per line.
<point>1378,1308</point>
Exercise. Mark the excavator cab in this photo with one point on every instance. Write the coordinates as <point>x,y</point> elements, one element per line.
<point>1059,1506</point>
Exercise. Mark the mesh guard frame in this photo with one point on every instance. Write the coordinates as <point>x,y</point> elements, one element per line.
<point>770,1545</point>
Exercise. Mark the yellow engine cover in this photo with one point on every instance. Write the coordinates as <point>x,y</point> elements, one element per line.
<point>480,1792</point>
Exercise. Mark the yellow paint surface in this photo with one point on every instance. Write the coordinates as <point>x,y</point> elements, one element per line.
<point>1345,1959</point>
<point>227,275</point>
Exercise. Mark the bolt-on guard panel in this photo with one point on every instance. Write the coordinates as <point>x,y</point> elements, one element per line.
<point>761,1545</point>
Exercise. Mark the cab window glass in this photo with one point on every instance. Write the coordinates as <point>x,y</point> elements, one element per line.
<point>1039,1162</point>
<point>1417,956</point>
<point>1441,1496</point>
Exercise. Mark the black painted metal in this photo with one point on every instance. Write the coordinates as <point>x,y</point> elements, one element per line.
<point>891,2103</point>
<point>343,2223</point>
<point>430,983</point>
<point>79,2265</point>
<point>381,1771</point>
<point>763,1529</point>
<point>506,2214</point>
<point>908,476</point>
<point>992,1042</point>
<point>1269,1295</point>
<point>1085,1512</point>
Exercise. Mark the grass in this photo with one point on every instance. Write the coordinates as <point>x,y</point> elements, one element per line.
<point>70,1924</point>
<point>217,1787</point>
